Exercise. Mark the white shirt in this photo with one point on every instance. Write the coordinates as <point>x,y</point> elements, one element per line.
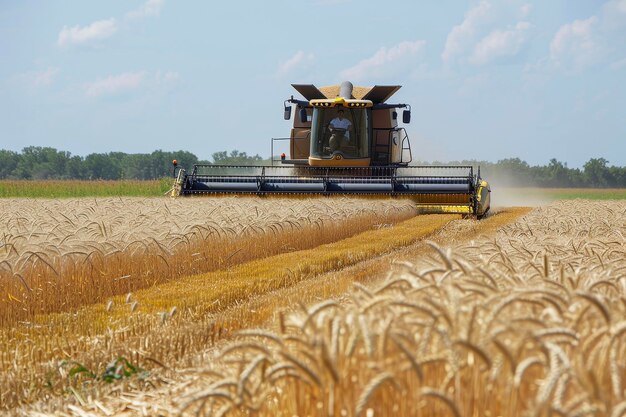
<point>342,124</point>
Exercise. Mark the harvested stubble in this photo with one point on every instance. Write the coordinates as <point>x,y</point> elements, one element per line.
<point>56,255</point>
<point>529,323</point>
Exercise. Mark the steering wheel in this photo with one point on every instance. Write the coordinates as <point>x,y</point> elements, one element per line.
<point>337,130</point>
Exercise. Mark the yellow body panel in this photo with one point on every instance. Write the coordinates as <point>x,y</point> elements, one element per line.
<point>427,203</point>
<point>442,199</point>
<point>483,198</point>
<point>340,102</point>
<point>435,208</point>
<point>339,161</point>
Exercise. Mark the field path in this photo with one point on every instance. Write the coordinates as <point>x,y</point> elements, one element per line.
<point>210,307</point>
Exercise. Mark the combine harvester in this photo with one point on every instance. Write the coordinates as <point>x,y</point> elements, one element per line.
<point>346,140</point>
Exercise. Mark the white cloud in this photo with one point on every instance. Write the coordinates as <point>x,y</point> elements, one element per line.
<point>500,44</point>
<point>299,60</point>
<point>461,35</point>
<point>589,42</point>
<point>77,35</point>
<point>483,34</point>
<point>148,9</point>
<point>384,60</point>
<point>576,45</point>
<point>103,29</point>
<point>115,84</point>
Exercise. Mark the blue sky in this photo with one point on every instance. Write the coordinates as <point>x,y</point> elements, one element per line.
<point>486,79</point>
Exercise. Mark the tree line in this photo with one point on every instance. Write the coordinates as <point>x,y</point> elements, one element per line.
<point>41,163</point>
<point>595,173</point>
<point>37,163</point>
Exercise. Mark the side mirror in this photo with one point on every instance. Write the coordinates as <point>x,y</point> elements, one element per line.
<point>303,116</point>
<point>406,116</point>
<point>394,115</point>
<point>287,112</point>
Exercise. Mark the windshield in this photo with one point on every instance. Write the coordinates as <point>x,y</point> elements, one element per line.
<point>340,129</point>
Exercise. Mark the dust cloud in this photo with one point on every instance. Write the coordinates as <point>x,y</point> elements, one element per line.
<point>506,191</point>
<point>518,197</point>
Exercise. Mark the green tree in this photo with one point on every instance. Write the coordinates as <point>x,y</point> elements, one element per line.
<point>8,163</point>
<point>514,171</point>
<point>102,166</point>
<point>236,158</point>
<point>41,163</point>
<point>596,172</point>
<point>156,165</point>
<point>557,174</point>
<point>618,175</point>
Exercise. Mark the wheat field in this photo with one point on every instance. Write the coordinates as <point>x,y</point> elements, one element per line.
<point>528,320</point>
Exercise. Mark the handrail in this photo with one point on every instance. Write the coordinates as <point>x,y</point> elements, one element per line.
<point>405,139</point>
<point>272,160</point>
<point>272,150</point>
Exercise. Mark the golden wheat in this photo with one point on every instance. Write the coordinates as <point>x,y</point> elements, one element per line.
<point>56,255</point>
<point>527,322</point>
<point>477,337</point>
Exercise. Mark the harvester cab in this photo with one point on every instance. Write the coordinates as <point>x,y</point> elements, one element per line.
<point>344,126</point>
<point>347,140</point>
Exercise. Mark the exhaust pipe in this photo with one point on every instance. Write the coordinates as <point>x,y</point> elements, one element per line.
<point>345,90</point>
